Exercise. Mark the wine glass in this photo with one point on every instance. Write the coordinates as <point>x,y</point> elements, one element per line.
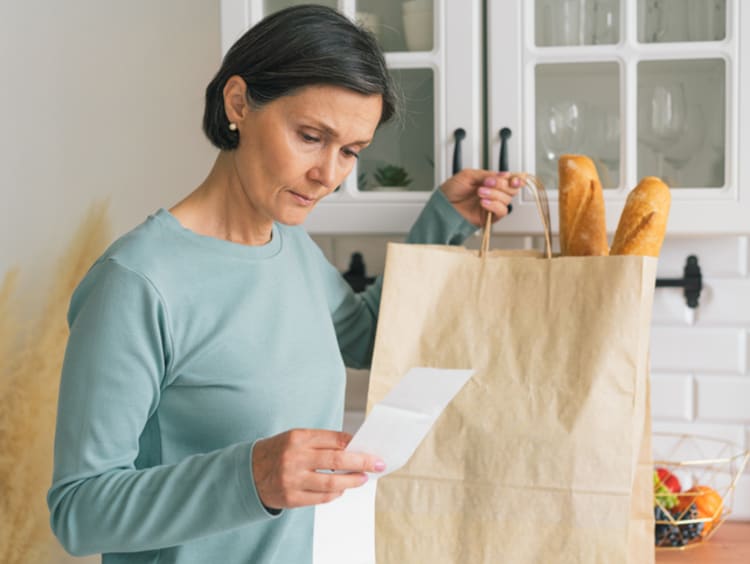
<point>706,20</point>
<point>559,130</point>
<point>603,137</point>
<point>684,149</point>
<point>666,20</point>
<point>563,22</point>
<point>605,22</point>
<point>665,118</point>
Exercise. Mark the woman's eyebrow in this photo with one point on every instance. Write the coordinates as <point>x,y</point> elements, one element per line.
<point>331,132</point>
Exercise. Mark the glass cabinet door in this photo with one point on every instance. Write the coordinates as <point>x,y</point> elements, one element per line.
<point>681,118</point>
<point>402,154</point>
<point>399,26</point>
<point>664,21</point>
<point>439,92</point>
<point>643,87</point>
<point>270,6</point>
<point>577,109</point>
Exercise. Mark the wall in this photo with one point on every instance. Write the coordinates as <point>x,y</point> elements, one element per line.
<point>97,99</point>
<point>700,373</point>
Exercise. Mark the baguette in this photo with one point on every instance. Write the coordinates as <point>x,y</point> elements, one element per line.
<point>644,219</point>
<point>583,230</point>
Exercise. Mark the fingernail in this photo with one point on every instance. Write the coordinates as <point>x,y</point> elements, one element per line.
<point>365,477</point>
<point>486,202</point>
<point>483,191</point>
<point>379,466</point>
<point>490,181</point>
<point>515,182</point>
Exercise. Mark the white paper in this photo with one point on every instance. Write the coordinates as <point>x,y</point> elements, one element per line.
<point>401,420</point>
<point>345,528</point>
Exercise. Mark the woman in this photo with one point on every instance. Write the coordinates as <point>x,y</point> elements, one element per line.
<point>203,383</point>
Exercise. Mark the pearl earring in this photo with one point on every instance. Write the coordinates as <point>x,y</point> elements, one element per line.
<point>232,127</point>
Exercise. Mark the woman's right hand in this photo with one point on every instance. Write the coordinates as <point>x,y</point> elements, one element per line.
<point>285,467</point>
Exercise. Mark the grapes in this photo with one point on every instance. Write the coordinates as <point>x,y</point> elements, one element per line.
<point>668,534</point>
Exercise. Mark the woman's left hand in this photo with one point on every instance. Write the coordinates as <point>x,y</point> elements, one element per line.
<point>475,192</point>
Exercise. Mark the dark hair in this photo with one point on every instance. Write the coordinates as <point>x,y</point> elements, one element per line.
<point>293,48</point>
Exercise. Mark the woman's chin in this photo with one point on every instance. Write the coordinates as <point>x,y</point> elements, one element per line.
<point>293,217</point>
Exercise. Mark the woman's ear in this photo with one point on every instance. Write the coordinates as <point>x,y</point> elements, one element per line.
<point>235,100</point>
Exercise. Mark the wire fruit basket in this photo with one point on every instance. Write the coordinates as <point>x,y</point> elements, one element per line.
<point>694,483</point>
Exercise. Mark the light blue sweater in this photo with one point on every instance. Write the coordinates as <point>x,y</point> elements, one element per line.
<point>183,351</point>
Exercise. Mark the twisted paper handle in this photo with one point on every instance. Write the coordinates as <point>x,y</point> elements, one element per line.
<point>535,186</point>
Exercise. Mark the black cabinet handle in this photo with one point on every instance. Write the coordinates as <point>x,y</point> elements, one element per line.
<point>691,281</point>
<point>505,134</point>
<point>459,136</point>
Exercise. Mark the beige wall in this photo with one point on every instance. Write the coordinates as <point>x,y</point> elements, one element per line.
<point>97,99</point>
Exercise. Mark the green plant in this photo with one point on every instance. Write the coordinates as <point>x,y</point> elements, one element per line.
<point>362,181</point>
<point>392,175</point>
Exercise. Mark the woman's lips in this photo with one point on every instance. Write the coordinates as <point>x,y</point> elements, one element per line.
<point>302,200</point>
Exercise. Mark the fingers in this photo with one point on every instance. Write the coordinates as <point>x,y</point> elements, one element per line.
<point>320,438</point>
<point>496,193</point>
<point>497,208</point>
<point>326,482</point>
<point>475,175</point>
<point>293,469</point>
<point>348,461</point>
<point>491,178</point>
<point>327,451</point>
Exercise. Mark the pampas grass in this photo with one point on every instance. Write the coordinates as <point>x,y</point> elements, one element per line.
<point>31,359</point>
<point>8,325</point>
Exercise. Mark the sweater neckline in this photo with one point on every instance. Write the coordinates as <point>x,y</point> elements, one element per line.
<point>222,246</point>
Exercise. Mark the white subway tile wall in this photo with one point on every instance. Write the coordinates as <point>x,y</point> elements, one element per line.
<point>700,363</point>
<point>672,396</point>
<point>716,349</point>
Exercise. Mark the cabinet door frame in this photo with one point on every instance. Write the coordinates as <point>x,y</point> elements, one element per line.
<point>724,210</point>
<point>456,60</point>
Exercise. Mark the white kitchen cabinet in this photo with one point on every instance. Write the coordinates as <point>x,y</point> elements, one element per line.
<point>646,87</point>
<point>434,48</point>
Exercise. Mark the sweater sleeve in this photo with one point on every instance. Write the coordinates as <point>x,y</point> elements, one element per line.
<point>355,315</point>
<point>116,362</point>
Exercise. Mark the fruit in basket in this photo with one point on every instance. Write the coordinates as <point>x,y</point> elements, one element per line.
<point>672,531</point>
<point>669,480</point>
<point>707,501</point>
<point>662,525</point>
<point>662,494</point>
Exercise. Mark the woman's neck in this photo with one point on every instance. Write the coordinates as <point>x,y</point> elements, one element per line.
<point>219,207</point>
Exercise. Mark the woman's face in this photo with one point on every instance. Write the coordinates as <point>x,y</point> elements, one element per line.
<point>297,149</point>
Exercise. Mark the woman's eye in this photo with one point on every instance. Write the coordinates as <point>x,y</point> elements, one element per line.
<point>309,138</point>
<point>350,153</point>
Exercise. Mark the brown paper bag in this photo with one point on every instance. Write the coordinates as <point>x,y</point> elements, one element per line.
<point>544,457</point>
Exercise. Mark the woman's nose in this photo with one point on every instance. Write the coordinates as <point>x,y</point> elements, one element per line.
<point>325,171</point>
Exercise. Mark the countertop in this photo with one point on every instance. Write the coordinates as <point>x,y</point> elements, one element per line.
<point>729,545</point>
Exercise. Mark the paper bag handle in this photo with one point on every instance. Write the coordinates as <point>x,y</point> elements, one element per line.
<point>535,186</point>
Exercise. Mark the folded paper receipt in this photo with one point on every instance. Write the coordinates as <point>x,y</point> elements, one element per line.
<point>345,528</point>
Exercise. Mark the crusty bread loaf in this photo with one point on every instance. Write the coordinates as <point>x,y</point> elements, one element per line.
<point>583,230</point>
<point>644,219</point>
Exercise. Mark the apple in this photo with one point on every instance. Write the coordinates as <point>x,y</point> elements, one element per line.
<point>669,480</point>
<point>662,496</point>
